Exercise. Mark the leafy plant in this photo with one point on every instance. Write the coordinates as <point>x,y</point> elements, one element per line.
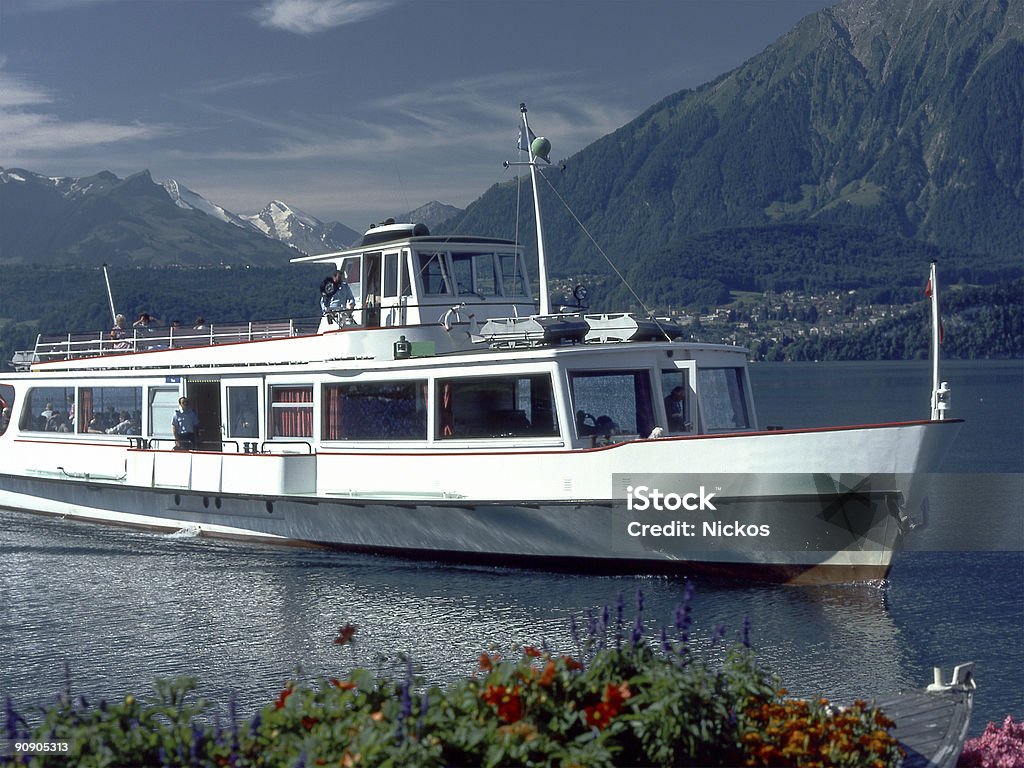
<point>623,698</point>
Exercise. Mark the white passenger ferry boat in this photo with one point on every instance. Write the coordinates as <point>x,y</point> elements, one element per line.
<point>442,412</point>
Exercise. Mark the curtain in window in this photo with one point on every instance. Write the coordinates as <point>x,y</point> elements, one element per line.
<point>294,421</point>
<point>334,425</point>
<point>85,406</point>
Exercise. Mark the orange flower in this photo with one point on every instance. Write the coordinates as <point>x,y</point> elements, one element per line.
<point>346,685</point>
<point>282,698</point>
<point>531,652</point>
<point>550,670</point>
<point>571,663</point>
<point>486,662</point>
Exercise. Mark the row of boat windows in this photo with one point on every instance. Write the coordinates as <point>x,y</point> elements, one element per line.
<point>442,273</point>
<point>604,403</point>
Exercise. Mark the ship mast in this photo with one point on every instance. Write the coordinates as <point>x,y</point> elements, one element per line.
<point>542,267</point>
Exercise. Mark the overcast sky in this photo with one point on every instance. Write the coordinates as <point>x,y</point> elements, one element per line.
<point>350,110</point>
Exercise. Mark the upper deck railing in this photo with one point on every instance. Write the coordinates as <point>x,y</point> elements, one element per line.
<point>52,347</point>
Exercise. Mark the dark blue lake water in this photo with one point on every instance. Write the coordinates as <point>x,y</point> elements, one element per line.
<point>123,608</point>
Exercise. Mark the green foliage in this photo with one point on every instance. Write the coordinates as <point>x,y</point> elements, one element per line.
<point>623,701</point>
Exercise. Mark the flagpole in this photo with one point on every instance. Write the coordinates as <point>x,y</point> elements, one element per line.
<point>938,404</point>
<point>542,267</point>
<point>110,295</point>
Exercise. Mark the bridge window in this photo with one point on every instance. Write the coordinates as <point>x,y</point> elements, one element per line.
<point>434,274</point>
<point>475,273</point>
<point>513,276</point>
<point>610,403</point>
<point>722,401</point>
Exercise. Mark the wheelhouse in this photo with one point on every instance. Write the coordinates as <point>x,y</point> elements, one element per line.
<point>401,275</point>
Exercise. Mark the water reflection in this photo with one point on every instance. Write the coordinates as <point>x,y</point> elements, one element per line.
<point>126,608</point>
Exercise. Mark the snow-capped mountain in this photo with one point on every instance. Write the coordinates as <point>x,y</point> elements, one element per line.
<point>184,197</point>
<point>300,230</point>
<point>278,221</point>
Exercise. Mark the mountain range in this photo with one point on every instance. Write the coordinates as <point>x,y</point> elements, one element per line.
<point>893,118</point>
<point>872,122</point>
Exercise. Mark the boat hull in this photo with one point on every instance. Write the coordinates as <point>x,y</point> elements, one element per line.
<point>791,520</point>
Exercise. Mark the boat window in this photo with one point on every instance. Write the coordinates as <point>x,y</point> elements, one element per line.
<point>163,403</point>
<point>722,401</point>
<point>291,411</point>
<point>475,273</point>
<point>496,406</point>
<point>243,405</point>
<point>433,274</point>
<point>612,403</point>
<point>49,409</point>
<point>110,410</point>
<point>678,412</point>
<point>381,410</point>
<point>349,269</point>
<point>513,276</point>
<point>6,406</point>
<point>390,275</point>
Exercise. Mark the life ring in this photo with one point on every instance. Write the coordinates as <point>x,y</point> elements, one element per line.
<point>328,287</point>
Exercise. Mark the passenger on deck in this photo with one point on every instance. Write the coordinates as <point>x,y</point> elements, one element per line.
<point>335,293</point>
<point>336,296</point>
<point>119,333</point>
<point>185,424</point>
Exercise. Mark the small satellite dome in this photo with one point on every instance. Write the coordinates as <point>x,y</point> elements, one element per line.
<point>541,148</point>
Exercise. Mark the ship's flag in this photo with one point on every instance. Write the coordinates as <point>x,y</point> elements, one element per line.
<point>524,140</point>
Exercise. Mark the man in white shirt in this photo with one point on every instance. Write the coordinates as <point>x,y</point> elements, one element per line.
<point>185,423</point>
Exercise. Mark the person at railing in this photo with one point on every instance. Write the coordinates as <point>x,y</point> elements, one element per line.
<point>185,424</point>
<point>119,333</point>
<point>199,324</point>
<point>336,298</point>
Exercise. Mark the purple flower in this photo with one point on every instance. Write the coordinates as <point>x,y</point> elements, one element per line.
<point>638,632</point>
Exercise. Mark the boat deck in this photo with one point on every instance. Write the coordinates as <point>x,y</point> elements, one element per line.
<point>69,346</point>
<point>932,725</point>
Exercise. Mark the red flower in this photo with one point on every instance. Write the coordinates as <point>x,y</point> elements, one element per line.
<point>601,714</point>
<point>309,722</point>
<point>531,652</point>
<point>346,685</point>
<point>506,701</point>
<point>571,663</point>
<point>282,698</point>
<point>345,634</point>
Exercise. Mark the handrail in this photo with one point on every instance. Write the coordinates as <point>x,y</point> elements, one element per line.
<point>72,345</point>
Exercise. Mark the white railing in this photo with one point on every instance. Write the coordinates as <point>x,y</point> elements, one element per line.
<point>91,344</point>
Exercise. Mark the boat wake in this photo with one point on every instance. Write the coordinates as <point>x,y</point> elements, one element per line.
<point>186,532</point>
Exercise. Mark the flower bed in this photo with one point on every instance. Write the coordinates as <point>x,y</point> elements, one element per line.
<point>623,698</point>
